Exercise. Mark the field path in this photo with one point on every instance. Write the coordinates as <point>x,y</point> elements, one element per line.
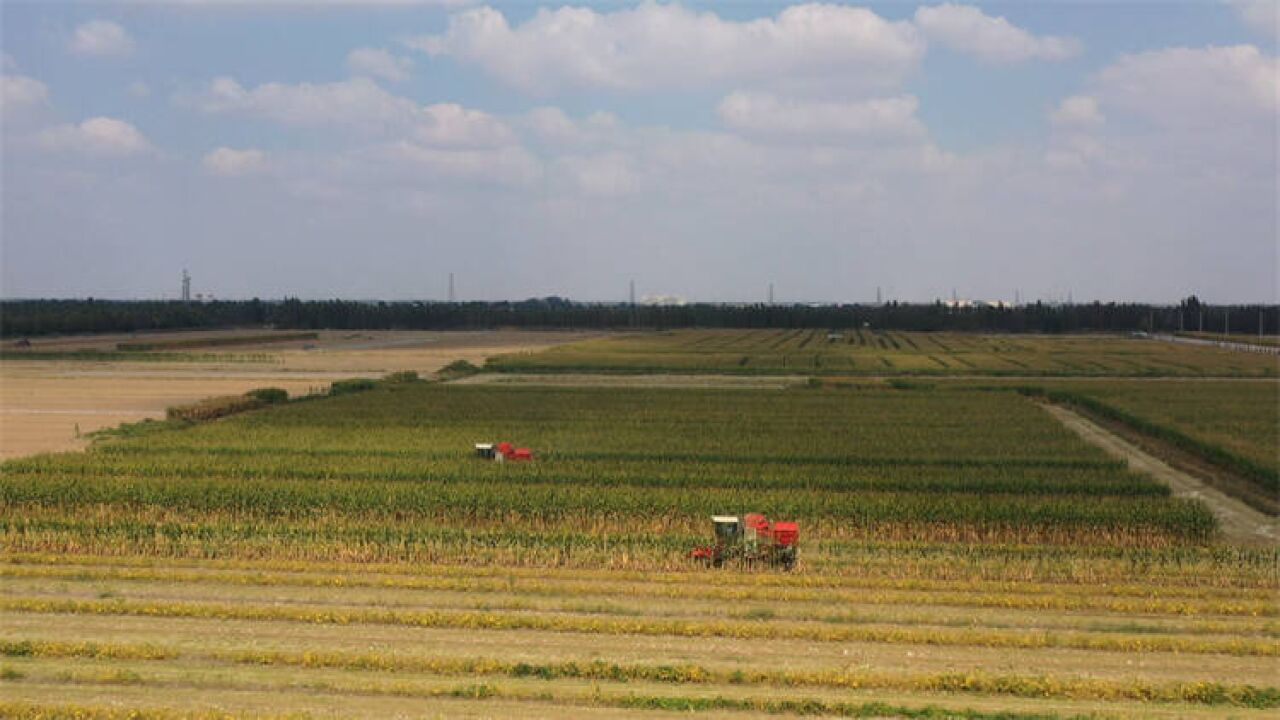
<point>1240,523</point>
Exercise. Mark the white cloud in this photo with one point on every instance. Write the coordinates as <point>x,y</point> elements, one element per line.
<point>551,125</point>
<point>768,114</point>
<point>1212,87</point>
<point>230,162</point>
<point>242,5</point>
<point>992,39</point>
<point>19,92</point>
<point>1198,119</point>
<point>669,46</point>
<point>607,174</point>
<point>453,125</point>
<point>358,103</point>
<point>377,63</point>
<point>1078,111</point>
<point>100,37</point>
<point>99,136</point>
<point>1259,15</point>
<point>511,165</point>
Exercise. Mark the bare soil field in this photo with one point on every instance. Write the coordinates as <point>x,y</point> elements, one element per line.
<point>48,405</point>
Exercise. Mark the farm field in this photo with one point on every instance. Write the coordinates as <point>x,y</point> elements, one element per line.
<point>1232,425</point>
<point>61,385</point>
<point>963,555</point>
<point>875,353</point>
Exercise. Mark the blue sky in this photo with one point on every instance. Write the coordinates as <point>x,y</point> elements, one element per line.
<point>365,149</point>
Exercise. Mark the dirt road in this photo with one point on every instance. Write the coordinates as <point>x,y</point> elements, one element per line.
<point>1240,523</point>
<point>756,382</point>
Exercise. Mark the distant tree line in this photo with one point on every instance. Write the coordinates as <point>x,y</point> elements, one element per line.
<point>26,318</point>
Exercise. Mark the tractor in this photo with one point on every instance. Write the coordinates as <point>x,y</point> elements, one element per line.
<point>750,540</point>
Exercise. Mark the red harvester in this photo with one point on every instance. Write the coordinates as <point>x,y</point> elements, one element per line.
<point>749,540</point>
<point>502,451</point>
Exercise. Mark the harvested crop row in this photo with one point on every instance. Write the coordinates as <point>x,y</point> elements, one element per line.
<point>647,626</point>
<point>1031,686</point>
<point>1226,572</point>
<point>569,703</point>
<point>1010,597</point>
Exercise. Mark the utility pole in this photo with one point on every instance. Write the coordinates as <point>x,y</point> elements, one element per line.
<point>186,286</point>
<point>1259,323</point>
<point>878,301</point>
<point>633,303</point>
<point>1201,319</point>
<point>1226,322</point>
<point>453,297</point>
<point>1151,321</point>
<point>770,293</point>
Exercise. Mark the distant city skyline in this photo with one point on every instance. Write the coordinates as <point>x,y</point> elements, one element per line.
<point>715,152</point>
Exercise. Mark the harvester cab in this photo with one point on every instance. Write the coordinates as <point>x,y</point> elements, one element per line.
<point>749,540</point>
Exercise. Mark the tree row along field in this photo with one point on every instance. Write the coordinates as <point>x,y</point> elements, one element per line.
<point>864,352</point>
<point>963,555</point>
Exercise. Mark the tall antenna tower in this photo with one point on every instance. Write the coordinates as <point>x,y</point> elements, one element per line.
<point>453,297</point>
<point>1017,298</point>
<point>770,293</point>
<point>878,302</point>
<point>186,286</point>
<point>633,293</point>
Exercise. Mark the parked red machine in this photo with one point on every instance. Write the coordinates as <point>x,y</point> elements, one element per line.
<point>750,540</point>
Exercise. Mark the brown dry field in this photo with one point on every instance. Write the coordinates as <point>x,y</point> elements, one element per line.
<point>49,405</point>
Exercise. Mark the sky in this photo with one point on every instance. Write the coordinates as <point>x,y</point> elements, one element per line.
<point>1079,149</point>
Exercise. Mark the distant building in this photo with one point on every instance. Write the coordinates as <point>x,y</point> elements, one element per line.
<point>664,300</point>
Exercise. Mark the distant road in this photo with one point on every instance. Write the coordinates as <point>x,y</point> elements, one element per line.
<point>1226,344</point>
